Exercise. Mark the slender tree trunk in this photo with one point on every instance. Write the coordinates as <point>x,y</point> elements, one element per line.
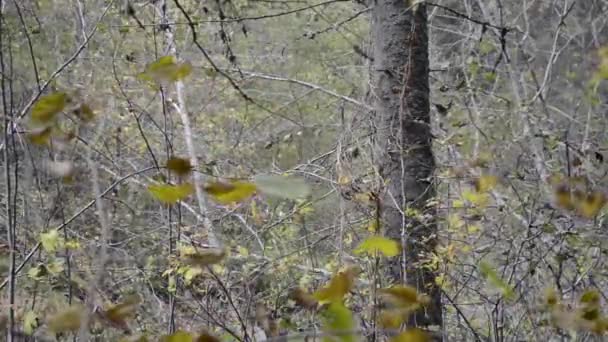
<point>404,145</point>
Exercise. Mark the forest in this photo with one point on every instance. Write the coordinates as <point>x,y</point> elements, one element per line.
<point>303,170</point>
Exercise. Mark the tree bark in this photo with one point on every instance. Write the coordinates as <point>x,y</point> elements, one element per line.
<point>403,145</point>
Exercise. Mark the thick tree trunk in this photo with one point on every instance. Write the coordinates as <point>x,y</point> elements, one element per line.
<point>404,144</point>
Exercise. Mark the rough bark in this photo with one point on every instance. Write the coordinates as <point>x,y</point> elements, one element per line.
<point>404,144</point>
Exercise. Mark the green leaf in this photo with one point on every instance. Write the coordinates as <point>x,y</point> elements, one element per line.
<point>339,320</point>
<point>282,186</point>
<point>50,240</point>
<point>374,244</point>
<point>170,194</point>
<point>30,322</point>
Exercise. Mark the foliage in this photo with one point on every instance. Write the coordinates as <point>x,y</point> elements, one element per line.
<point>162,188</point>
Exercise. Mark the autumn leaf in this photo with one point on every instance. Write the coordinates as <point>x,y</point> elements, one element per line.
<point>180,166</point>
<point>170,194</point>
<point>391,319</point>
<point>230,192</point>
<point>166,69</point>
<point>303,298</point>
<point>375,244</point>
<point>412,335</point>
<point>50,240</point>
<point>206,337</point>
<point>47,107</point>
<point>480,199</point>
<point>84,112</point>
<point>178,336</point>
<point>67,320</point>
<point>119,313</point>
<point>485,183</point>
<point>591,205</point>
<point>338,286</point>
<point>404,296</point>
<point>30,322</point>
<point>206,257</point>
<point>40,136</point>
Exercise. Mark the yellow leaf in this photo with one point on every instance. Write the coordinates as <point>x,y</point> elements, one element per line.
<point>180,166</point>
<point>412,335</point>
<point>67,320</point>
<point>191,273</point>
<point>405,296</point>
<point>166,69</point>
<point>551,298</point>
<point>50,240</point>
<point>473,228</point>
<point>47,107</point>
<point>563,197</point>
<point>232,192</point>
<point>372,227</point>
<point>591,205</point>
<point>178,336</point>
<point>206,257</point>
<point>590,297</point>
<point>170,194</point>
<point>40,136</point>
<point>182,71</point>
<point>391,319</point>
<point>455,222</point>
<point>374,244</point>
<point>343,180</point>
<point>485,183</point>
<point>30,322</point>
<point>84,113</point>
<point>338,287</point>
<point>476,198</point>
<point>119,313</point>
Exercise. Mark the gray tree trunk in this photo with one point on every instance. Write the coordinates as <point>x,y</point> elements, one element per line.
<point>404,144</point>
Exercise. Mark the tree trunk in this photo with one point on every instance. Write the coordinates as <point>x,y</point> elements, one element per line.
<point>403,144</point>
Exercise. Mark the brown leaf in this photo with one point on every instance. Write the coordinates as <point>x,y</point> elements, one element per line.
<point>180,166</point>
<point>303,298</point>
<point>119,313</point>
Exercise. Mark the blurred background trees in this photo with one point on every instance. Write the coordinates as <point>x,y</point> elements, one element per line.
<point>518,103</point>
